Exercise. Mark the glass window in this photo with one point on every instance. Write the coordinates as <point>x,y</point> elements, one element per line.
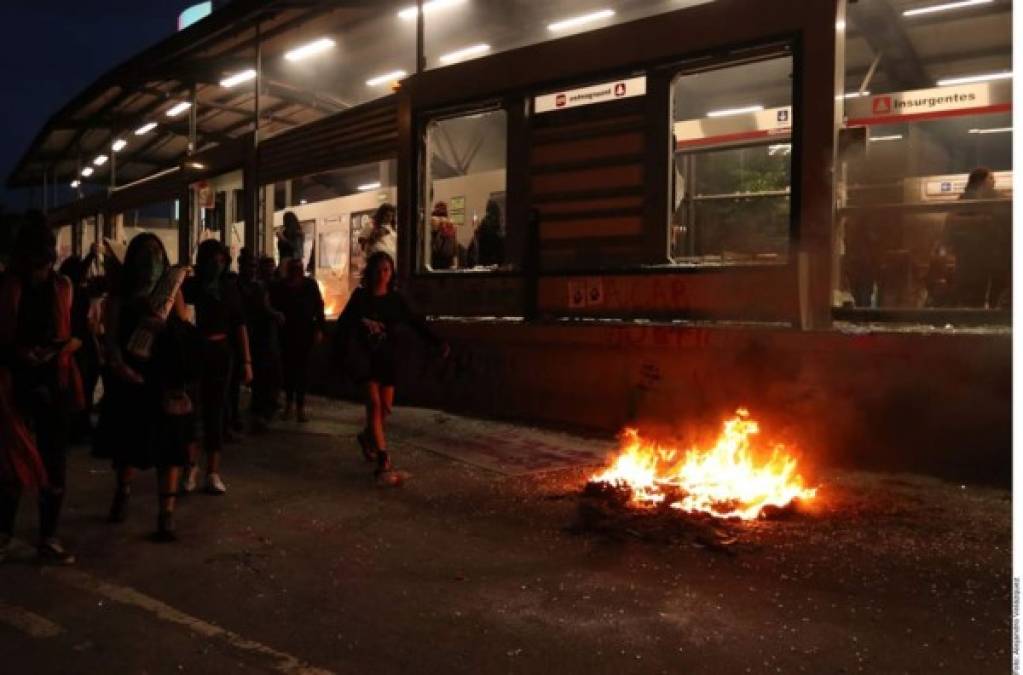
<point>925,170</point>
<point>464,226</point>
<point>733,164</point>
<point>337,212</point>
<point>459,30</point>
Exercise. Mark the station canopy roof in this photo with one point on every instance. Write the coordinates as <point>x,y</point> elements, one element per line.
<point>143,90</point>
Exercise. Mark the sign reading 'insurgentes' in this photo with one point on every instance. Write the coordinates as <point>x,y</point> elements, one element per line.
<point>924,103</point>
<point>598,93</point>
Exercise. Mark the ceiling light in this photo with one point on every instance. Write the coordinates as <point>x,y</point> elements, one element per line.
<point>75,183</point>
<point>303,201</point>
<point>369,186</point>
<point>974,78</point>
<point>386,78</point>
<point>735,111</point>
<point>311,49</point>
<point>198,166</point>
<point>413,11</point>
<point>145,129</point>
<point>893,137</point>
<point>463,54</point>
<point>87,171</point>
<point>100,160</point>
<point>945,7</point>
<point>178,108</point>
<point>996,130</point>
<point>582,20</point>
<point>238,78</point>
<point>118,145</point>
<point>855,94</point>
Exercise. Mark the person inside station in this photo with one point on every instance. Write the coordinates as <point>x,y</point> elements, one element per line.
<point>487,246</point>
<point>381,234</point>
<point>443,239</point>
<point>980,241</point>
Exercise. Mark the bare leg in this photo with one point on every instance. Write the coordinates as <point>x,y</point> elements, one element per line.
<point>213,462</point>
<point>387,400</point>
<point>374,415</point>
<point>119,506</point>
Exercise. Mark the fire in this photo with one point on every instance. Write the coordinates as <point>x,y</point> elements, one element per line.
<point>330,308</point>
<point>725,481</point>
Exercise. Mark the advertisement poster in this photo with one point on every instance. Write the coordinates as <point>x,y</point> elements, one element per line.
<point>456,210</point>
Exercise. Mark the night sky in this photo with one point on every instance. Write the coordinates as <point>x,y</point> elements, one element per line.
<point>51,50</point>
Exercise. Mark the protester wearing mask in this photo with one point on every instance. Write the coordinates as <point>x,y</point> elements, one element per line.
<point>298,298</point>
<point>37,355</point>
<point>147,416</point>
<point>218,312</point>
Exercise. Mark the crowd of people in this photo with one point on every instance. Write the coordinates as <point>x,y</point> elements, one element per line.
<point>172,347</point>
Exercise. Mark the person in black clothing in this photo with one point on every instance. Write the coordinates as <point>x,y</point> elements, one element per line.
<point>487,246</point>
<point>298,298</point>
<point>37,349</point>
<point>232,412</point>
<point>262,320</point>
<point>146,418</point>
<point>218,313</point>
<point>372,316</point>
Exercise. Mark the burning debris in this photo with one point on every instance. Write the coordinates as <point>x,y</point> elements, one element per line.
<point>697,489</point>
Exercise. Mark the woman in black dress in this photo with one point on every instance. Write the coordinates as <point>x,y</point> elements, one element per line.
<point>298,298</point>
<point>146,418</point>
<point>372,316</point>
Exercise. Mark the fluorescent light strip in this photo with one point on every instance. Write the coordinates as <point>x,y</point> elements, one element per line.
<point>87,171</point>
<point>145,129</point>
<point>969,79</point>
<point>893,137</point>
<point>735,111</point>
<point>100,160</point>
<point>413,11</point>
<point>466,53</point>
<point>369,186</point>
<point>75,183</point>
<point>238,78</point>
<point>386,78</point>
<point>118,145</point>
<point>178,108</point>
<point>783,148</point>
<point>945,7</point>
<point>576,21</point>
<point>311,49</point>
<point>855,94</point>
<point>996,130</point>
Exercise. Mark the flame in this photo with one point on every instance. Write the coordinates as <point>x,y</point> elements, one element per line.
<point>329,302</point>
<point>725,481</point>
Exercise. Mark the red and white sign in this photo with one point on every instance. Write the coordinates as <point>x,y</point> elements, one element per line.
<point>950,187</point>
<point>598,93</point>
<point>922,104</point>
<point>773,123</point>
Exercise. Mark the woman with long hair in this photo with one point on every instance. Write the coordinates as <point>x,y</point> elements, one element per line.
<point>298,298</point>
<point>381,235</point>
<point>218,316</point>
<point>372,317</point>
<point>146,416</point>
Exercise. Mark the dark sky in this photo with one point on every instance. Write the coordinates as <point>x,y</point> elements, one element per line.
<point>50,50</point>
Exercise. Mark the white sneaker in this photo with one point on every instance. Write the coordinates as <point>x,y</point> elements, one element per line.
<point>214,485</point>
<point>191,481</point>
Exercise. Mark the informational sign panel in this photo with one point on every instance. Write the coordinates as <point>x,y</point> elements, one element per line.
<point>944,188</point>
<point>731,129</point>
<point>905,106</point>
<point>592,95</point>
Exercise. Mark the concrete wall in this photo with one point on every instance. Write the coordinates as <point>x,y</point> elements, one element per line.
<point>926,403</point>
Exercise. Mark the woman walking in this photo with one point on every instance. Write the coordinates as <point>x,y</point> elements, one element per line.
<point>298,298</point>
<point>146,419</point>
<point>372,316</point>
<point>218,315</point>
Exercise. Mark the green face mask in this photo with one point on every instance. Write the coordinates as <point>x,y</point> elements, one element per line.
<point>150,269</point>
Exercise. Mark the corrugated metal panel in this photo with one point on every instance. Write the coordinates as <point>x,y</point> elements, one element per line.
<point>363,134</point>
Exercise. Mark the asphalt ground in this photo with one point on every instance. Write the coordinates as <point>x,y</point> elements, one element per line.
<point>307,566</point>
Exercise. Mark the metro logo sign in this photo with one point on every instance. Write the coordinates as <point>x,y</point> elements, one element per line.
<point>882,105</point>
<point>598,93</point>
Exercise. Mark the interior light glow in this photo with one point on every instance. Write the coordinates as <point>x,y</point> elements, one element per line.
<point>735,111</point>
<point>75,183</point>
<point>582,20</point>
<point>198,166</point>
<point>386,78</point>
<point>854,94</point>
<point>893,137</point>
<point>311,49</point>
<point>783,148</point>
<point>969,79</point>
<point>995,130</point>
<point>145,129</point>
<point>87,171</point>
<point>463,54</point>
<point>100,160</point>
<point>118,145</point>
<point>238,78</point>
<point>413,11</point>
<point>178,108</point>
<point>369,186</point>
<point>945,7</point>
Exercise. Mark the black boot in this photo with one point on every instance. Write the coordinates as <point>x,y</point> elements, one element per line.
<point>165,528</point>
